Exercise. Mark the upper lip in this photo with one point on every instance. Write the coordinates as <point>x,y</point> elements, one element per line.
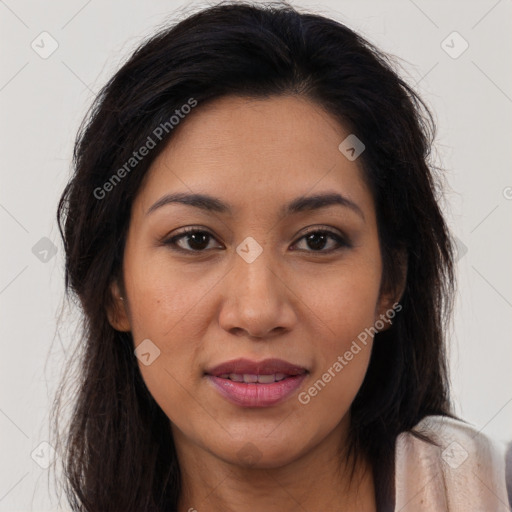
<point>265,367</point>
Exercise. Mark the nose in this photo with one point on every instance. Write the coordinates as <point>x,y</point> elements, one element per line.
<point>257,301</point>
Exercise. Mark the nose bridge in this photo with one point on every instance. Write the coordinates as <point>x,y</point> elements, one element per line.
<point>254,271</point>
<point>255,298</point>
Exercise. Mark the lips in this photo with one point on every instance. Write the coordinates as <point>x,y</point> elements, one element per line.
<point>256,384</point>
<point>254,378</point>
<point>237,367</point>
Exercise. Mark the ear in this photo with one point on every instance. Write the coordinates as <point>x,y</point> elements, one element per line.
<point>117,309</point>
<point>391,292</point>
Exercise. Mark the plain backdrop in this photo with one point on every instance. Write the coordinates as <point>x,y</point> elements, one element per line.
<point>44,97</point>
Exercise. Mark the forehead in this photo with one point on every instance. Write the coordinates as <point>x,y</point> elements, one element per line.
<point>256,150</point>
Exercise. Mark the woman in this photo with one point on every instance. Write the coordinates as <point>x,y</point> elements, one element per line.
<point>265,276</point>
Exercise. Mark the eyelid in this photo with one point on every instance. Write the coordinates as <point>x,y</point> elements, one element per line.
<point>323,229</point>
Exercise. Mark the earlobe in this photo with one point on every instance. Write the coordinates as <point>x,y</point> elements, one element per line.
<point>388,308</point>
<point>117,310</point>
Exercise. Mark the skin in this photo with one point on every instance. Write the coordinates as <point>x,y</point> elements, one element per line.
<point>295,301</point>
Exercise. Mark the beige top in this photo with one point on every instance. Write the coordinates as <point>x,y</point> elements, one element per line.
<point>465,474</point>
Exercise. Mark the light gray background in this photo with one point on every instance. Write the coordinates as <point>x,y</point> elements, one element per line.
<point>42,102</point>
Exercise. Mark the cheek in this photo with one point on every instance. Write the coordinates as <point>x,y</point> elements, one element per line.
<point>171,308</point>
<point>345,311</point>
<point>346,348</point>
<point>165,298</point>
<point>344,302</point>
<point>346,308</point>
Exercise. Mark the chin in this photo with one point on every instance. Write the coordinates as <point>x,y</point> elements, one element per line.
<point>260,453</point>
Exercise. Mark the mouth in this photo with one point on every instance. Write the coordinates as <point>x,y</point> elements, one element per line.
<point>256,384</point>
<point>246,367</point>
<point>249,378</point>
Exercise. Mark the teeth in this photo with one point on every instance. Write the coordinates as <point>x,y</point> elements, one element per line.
<point>266,379</point>
<point>251,378</point>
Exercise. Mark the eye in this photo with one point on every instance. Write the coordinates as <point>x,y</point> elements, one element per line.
<point>197,240</point>
<point>317,240</point>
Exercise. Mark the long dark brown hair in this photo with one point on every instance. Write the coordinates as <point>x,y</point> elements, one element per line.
<point>117,448</point>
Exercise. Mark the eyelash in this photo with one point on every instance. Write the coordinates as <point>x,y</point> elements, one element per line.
<point>340,240</point>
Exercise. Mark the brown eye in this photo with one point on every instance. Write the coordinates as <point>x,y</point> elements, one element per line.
<point>191,240</point>
<point>317,241</point>
<point>195,240</point>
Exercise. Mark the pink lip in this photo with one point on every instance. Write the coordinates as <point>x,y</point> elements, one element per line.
<point>265,367</point>
<point>256,394</point>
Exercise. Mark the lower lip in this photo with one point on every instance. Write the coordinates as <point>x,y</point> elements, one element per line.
<point>256,395</point>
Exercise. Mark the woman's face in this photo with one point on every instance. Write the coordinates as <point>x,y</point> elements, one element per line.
<point>253,283</point>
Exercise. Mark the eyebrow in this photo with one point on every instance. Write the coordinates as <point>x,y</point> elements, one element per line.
<point>300,204</point>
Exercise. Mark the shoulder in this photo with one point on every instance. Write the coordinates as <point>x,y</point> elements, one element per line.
<point>464,472</point>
